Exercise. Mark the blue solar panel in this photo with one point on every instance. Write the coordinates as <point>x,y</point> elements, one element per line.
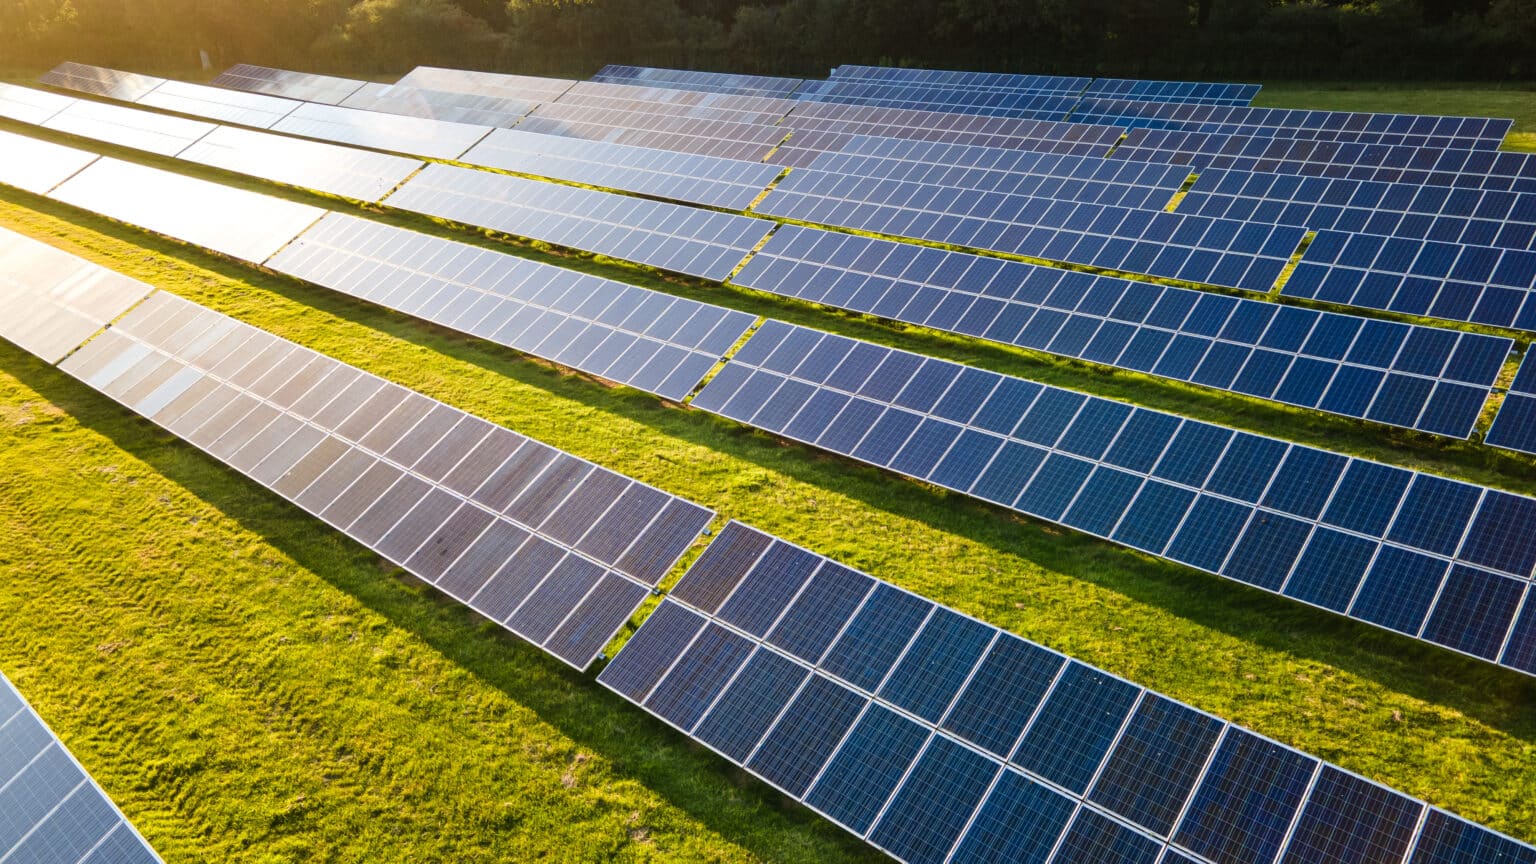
<point>925,816</point>
<point>1245,805</point>
<point>1020,821</point>
<point>1156,763</point>
<point>1380,826</point>
<point>1299,356</point>
<point>924,97</point>
<point>879,751</point>
<point>1446,839</point>
<point>709,82</point>
<point>962,79</point>
<point>1514,428</point>
<point>1179,92</point>
<point>1343,534</point>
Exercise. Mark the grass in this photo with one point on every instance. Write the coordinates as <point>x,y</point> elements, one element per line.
<point>250,688</point>
<point>1514,101</point>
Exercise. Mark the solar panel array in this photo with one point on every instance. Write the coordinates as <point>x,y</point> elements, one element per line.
<point>245,225</point>
<point>1445,561</point>
<point>1178,92</point>
<point>709,82</point>
<point>126,127</point>
<point>555,549</point>
<point>304,86</point>
<point>38,166</point>
<point>955,78</point>
<point>438,139</point>
<point>226,106</point>
<point>1411,130</point>
<point>667,236</point>
<point>677,103</point>
<point>726,139</point>
<point>1233,254</point>
<point>730,184</point>
<point>963,100</point>
<point>437,105</point>
<point>1481,284</point>
<point>1515,426</point>
<point>362,175</point>
<point>50,808</point>
<point>495,84</point>
<point>655,342</point>
<point>936,737</point>
<point>1417,377</point>
<point>51,301</point>
<point>30,106</point>
<point>111,83</point>
<point>1478,217</point>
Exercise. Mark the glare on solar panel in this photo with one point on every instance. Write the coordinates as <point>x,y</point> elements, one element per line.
<point>214,103</point>
<point>100,81</point>
<point>52,301</point>
<point>38,166</point>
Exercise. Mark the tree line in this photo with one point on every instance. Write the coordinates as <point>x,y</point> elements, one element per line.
<point>1196,39</point>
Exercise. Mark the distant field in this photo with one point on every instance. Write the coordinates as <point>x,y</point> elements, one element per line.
<point>251,686</point>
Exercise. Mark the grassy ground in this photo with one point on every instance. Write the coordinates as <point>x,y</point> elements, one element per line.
<point>1515,101</point>
<point>250,688</point>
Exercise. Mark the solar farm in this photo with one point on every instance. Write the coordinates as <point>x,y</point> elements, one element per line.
<point>671,465</point>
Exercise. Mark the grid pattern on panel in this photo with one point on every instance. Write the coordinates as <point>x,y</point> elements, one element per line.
<point>1410,130</point>
<point>225,106</point>
<point>727,139</point>
<point>31,106</point>
<point>416,136</point>
<point>436,105</point>
<point>955,78</point>
<point>654,342</point>
<point>1444,214</point>
<point>1181,92</point>
<point>724,660</point>
<point>1437,559</point>
<point>1450,281</point>
<point>1244,255</point>
<point>53,301</point>
<point>688,79</point>
<point>923,97</point>
<point>50,808</point>
<point>129,127</point>
<point>1515,426</point>
<point>536,539</point>
<point>38,166</point>
<point>525,87</point>
<point>362,175</point>
<point>245,225</point>
<point>303,86</point>
<point>726,183</point>
<point>691,104</point>
<point>667,236</point>
<point>1406,375</point>
<point>100,81</point>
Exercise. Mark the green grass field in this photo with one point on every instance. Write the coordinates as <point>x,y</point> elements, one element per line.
<point>251,686</point>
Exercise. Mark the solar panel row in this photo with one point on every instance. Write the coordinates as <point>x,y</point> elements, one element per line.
<point>709,82</point>
<point>973,80</point>
<point>992,103</point>
<point>730,184</point>
<point>1177,92</point>
<point>747,141</point>
<point>655,342</point>
<point>140,130</point>
<point>1470,216</point>
<point>1444,561</point>
<point>50,809</point>
<point>111,83</point>
<point>438,139</point>
<point>31,106</point>
<point>494,84</point>
<point>1412,376</point>
<point>225,106</point>
<point>667,236</point>
<point>1515,426</point>
<point>53,301</point>
<point>304,86</point>
<point>555,549</point>
<point>38,166</point>
<point>938,738</point>
<point>677,103</point>
<point>436,105</point>
<point>1196,249</point>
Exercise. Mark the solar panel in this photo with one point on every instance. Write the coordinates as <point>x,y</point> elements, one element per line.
<point>225,106</point>
<point>437,105</point>
<point>53,810</point>
<point>111,83</point>
<point>676,103</point>
<point>555,549</point>
<point>726,183</point>
<point>127,127</point>
<point>1412,376</point>
<point>992,103</point>
<point>495,84</point>
<point>708,82</point>
<point>30,106</point>
<point>1339,533</point>
<point>351,173</point>
<point>52,301</point>
<point>651,341</point>
<point>241,224</point>
<point>1515,426</point>
<point>1412,130</point>
<point>1470,216</point>
<point>1244,255</point>
<point>971,80</point>
<point>1450,281</point>
<point>304,86</point>
<point>38,166</point>
<point>437,139</point>
<point>667,236</point>
<point>706,137</point>
<point>1178,92</point>
<point>922,731</point>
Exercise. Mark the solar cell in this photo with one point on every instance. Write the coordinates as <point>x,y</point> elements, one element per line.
<point>100,81</point>
<point>241,224</point>
<point>928,788</point>
<point>346,171</point>
<point>1290,519</point>
<point>667,236</point>
<point>1514,428</point>
<point>27,105</point>
<point>225,106</point>
<point>654,342</point>
<point>54,301</point>
<point>38,166</point>
<point>730,184</point>
<point>708,82</point>
<point>141,130</point>
<point>304,86</point>
<point>408,101</point>
<point>416,136</point>
<point>495,84</point>
<point>50,808</point>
